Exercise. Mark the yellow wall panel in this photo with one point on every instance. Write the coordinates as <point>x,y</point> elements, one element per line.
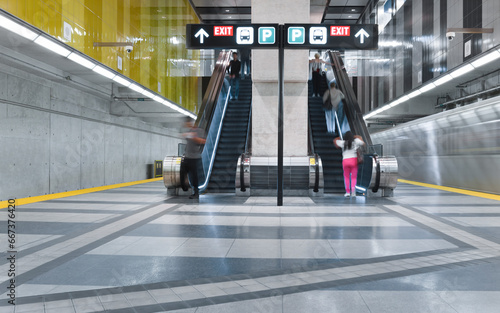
<point>157,28</point>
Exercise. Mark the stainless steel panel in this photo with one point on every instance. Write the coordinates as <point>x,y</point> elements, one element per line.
<point>172,171</point>
<point>457,148</point>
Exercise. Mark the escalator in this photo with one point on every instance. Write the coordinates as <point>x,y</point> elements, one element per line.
<point>232,141</point>
<point>331,157</point>
<point>225,123</point>
<point>370,174</point>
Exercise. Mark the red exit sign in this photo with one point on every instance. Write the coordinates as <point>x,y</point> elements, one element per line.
<point>340,31</point>
<point>223,30</point>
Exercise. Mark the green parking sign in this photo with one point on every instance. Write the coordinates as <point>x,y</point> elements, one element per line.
<point>296,35</point>
<point>267,35</point>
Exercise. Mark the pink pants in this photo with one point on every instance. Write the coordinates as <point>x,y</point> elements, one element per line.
<point>350,169</point>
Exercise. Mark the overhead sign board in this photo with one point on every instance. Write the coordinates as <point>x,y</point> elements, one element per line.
<point>296,36</point>
<point>210,36</point>
<point>338,37</point>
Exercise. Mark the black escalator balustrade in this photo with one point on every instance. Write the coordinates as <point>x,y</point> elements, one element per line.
<point>232,141</point>
<point>331,157</point>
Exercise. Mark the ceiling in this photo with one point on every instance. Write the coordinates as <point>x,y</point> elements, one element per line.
<point>239,11</point>
<point>21,53</point>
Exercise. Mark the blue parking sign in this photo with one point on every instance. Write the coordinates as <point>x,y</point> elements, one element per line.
<point>296,35</point>
<point>267,35</point>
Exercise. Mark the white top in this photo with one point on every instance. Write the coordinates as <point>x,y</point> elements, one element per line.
<point>350,153</point>
<point>316,65</point>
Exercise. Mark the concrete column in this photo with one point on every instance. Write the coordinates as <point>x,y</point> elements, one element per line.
<point>265,84</point>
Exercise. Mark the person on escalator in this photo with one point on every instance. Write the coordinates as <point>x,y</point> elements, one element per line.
<point>234,75</point>
<point>332,103</point>
<point>349,147</point>
<point>316,74</point>
<point>192,155</point>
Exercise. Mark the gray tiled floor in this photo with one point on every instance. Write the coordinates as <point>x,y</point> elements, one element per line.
<point>423,250</point>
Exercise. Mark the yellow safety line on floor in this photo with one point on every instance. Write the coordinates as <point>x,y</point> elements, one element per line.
<point>456,190</point>
<point>5,204</point>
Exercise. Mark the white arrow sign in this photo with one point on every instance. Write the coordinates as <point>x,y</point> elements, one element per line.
<point>362,34</point>
<point>201,33</point>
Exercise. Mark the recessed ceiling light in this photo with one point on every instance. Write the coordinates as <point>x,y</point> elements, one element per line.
<point>227,10</point>
<point>353,10</point>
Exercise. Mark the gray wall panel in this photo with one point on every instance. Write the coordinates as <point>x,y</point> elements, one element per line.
<point>54,138</point>
<point>3,85</point>
<point>65,159</point>
<point>27,92</point>
<point>92,154</point>
<point>156,147</point>
<point>113,154</point>
<point>24,152</point>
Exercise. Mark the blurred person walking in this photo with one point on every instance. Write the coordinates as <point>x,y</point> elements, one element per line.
<point>192,155</point>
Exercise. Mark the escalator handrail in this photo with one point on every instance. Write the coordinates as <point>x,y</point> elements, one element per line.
<point>351,106</point>
<point>208,110</point>
<point>248,138</point>
<point>214,87</point>
<point>208,169</point>
<point>311,139</point>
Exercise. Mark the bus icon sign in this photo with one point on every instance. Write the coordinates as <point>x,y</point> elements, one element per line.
<point>318,35</point>
<point>244,35</point>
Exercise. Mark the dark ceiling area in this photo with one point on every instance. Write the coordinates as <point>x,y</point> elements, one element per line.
<point>239,11</point>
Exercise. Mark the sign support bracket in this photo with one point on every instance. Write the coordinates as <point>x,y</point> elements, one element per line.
<point>281,83</point>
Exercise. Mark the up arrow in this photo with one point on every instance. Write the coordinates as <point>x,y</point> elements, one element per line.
<point>201,33</point>
<point>362,33</point>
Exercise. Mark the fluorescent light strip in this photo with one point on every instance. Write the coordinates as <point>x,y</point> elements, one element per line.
<point>427,87</point>
<point>442,80</point>
<point>158,99</point>
<point>465,69</point>
<point>52,46</point>
<point>136,88</point>
<point>122,81</point>
<point>104,72</point>
<point>81,60</point>
<point>492,56</point>
<point>148,94</point>
<point>17,28</point>
<point>414,93</point>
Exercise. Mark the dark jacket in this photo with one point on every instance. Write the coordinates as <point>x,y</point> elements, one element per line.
<point>234,68</point>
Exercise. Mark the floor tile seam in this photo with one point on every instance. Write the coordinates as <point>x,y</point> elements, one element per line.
<point>84,239</point>
<point>52,263</point>
<point>413,218</point>
<point>322,284</point>
<point>468,215</point>
<point>94,226</point>
<point>446,228</point>
<point>283,215</point>
<point>436,217</point>
<point>289,272</point>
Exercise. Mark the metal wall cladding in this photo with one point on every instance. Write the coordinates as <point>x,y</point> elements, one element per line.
<point>457,148</point>
<point>159,59</point>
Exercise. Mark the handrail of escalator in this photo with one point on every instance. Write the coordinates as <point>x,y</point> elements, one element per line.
<point>351,106</point>
<point>212,114</point>
<point>310,139</point>
<point>213,90</point>
<point>248,138</point>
